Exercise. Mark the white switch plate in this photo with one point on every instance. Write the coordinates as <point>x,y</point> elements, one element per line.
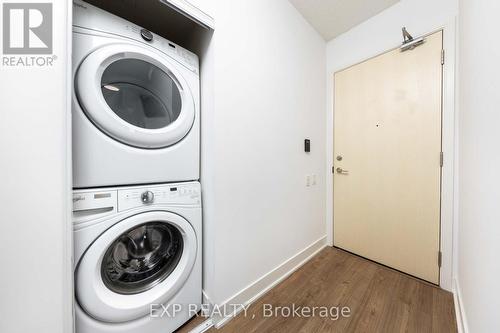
<point>308,180</point>
<point>314,179</point>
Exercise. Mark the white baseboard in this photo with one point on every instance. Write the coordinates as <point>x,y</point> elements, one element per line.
<point>459,308</point>
<point>257,289</point>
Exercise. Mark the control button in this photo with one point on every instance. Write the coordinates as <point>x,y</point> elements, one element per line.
<point>148,197</point>
<point>146,35</point>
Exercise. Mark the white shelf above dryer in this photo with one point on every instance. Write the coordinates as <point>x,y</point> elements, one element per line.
<point>192,11</point>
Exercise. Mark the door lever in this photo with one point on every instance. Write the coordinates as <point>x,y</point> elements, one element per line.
<point>342,171</point>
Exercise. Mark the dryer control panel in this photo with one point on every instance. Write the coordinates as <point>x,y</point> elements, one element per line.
<point>188,194</point>
<point>86,16</point>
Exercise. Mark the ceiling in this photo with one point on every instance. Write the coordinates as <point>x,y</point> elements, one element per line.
<point>334,17</point>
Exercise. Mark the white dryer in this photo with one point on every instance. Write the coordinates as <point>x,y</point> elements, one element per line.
<point>137,252</point>
<point>136,108</point>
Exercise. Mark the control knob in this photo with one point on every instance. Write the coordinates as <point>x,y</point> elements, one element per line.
<point>146,35</point>
<point>148,197</point>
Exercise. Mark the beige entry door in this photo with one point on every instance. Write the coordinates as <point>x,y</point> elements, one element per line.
<point>387,155</point>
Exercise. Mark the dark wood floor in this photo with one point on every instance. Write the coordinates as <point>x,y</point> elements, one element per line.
<point>380,300</point>
<point>192,324</point>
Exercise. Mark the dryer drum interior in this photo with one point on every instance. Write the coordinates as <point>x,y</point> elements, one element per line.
<point>141,94</point>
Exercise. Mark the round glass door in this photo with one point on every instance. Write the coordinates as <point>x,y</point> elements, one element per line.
<point>135,95</point>
<point>141,94</point>
<point>141,258</point>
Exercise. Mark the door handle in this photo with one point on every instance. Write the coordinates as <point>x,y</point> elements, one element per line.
<point>342,171</point>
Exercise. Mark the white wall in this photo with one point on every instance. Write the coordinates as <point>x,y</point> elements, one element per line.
<point>479,242</point>
<point>269,90</point>
<point>35,241</point>
<point>375,36</point>
<point>383,31</point>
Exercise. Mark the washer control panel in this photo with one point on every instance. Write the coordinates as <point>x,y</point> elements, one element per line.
<point>92,204</point>
<point>188,194</point>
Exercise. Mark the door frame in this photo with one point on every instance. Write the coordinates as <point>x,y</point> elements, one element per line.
<point>449,195</point>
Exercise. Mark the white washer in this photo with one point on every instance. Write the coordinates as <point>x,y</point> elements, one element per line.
<point>136,249</point>
<point>136,117</point>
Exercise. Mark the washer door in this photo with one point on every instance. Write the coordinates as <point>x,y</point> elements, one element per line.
<point>142,260</point>
<point>135,96</point>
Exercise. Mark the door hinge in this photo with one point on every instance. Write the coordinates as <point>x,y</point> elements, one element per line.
<point>333,169</point>
<point>440,258</point>
<point>441,159</point>
<point>442,57</point>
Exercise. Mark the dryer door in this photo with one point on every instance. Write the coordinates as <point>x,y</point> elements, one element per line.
<point>135,95</point>
<point>142,260</point>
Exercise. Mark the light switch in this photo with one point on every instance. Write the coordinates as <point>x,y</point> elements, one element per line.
<point>307,145</point>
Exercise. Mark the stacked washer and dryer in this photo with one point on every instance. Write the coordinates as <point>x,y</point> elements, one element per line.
<point>137,200</point>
